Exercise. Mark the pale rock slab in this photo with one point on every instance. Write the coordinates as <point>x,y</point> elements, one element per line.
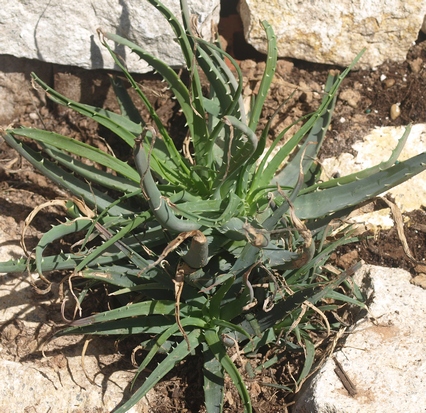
<point>64,32</point>
<point>56,383</point>
<point>334,32</point>
<point>44,389</point>
<point>375,148</point>
<point>385,358</point>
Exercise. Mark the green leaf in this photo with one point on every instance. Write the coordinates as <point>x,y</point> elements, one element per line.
<point>122,126</point>
<point>214,381</point>
<point>326,201</point>
<point>162,211</point>
<point>219,352</point>
<point>92,196</point>
<point>174,357</point>
<point>165,335</point>
<point>127,107</point>
<point>58,232</point>
<point>190,106</point>
<point>311,144</point>
<point>365,173</point>
<point>160,307</point>
<point>267,169</point>
<point>80,149</point>
<point>90,173</point>
<point>175,83</point>
<point>268,75</point>
<point>309,359</point>
<point>215,301</point>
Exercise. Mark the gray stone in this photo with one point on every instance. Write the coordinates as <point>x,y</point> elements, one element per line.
<point>384,354</point>
<point>334,32</point>
<point>64,32</point>
<point>54,381</point>
<point>60,386</point>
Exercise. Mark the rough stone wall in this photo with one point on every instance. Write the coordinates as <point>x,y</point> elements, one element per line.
<point>57,40</point>
<point>65,32</point>
<point>334,32</point>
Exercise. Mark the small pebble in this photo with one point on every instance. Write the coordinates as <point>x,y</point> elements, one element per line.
<point>416,65</point>
<point>10,332</point>
<point>389,83</point>
<point>395,111</point>
<point>419,280</point>
<point>352,97</point>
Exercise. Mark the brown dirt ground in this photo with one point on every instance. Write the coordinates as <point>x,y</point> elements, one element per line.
<point>364,103</point>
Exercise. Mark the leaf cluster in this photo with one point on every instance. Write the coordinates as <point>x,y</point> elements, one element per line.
<point>221,244</point>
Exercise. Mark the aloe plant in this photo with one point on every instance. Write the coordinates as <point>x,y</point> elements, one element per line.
<point>211,247</point>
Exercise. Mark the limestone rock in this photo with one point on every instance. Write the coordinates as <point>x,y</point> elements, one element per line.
<point>384,358</point>
<point>335,32</point>
<point>51,388</point>
<point>64,32</point>
<point>55,382</point>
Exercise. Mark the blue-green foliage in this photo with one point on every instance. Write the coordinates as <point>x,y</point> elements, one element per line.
<point>252,264</point>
